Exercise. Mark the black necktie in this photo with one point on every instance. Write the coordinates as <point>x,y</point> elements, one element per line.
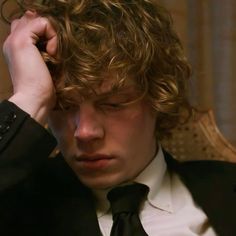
<point>125,202</point>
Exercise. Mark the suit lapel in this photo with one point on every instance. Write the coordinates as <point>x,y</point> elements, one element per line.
<point>74,216</point>
<point>212,185</point>
<point>70,205</point>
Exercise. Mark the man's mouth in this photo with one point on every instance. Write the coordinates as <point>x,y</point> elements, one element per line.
<point>94,162</point>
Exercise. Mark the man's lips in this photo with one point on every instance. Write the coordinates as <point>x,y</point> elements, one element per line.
<point>93,162</point>
<point>93,158</point>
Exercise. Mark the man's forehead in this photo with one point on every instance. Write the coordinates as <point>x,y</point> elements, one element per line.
<point>108,88</point>
<point>105,91</point>
<point>111,87</point>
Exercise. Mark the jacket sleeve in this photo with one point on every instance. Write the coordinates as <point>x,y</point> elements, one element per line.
<point>24,145</point>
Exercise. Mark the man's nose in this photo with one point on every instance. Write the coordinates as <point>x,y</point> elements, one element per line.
<point>89,124</point>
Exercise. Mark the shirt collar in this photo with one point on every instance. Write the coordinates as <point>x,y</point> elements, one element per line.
<point>156,177</point>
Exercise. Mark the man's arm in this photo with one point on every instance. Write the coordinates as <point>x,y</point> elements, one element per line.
<point>33,89</point>
<point>24,143</point>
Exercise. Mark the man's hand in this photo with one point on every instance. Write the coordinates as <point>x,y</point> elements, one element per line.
<point>32,83</point>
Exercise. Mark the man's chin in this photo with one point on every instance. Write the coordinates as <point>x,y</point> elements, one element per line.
<point>99,183</point>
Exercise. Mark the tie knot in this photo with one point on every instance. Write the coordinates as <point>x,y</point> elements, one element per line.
<point>127,198</point>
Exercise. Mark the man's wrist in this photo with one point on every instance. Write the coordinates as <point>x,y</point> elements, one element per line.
<point>36,109</point>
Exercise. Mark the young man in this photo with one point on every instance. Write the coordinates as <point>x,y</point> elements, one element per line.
<point>109,77</point>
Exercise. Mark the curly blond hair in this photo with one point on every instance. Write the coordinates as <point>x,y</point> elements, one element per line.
<point>128,38</point>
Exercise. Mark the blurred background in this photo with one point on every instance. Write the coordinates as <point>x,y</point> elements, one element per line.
<point>207,29</point>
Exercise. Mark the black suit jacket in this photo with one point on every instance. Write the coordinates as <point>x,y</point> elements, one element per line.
<point>41,196</point>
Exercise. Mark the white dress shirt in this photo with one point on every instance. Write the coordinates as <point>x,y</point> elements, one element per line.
<point>169,209</point>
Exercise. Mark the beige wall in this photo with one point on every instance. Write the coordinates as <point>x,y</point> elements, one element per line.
<point>208,30</point>
<point>5,85</point>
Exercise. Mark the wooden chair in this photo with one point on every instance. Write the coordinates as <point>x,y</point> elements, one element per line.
<point>199,139</point>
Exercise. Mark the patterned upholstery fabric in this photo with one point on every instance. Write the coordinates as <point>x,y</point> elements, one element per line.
<point>199,139</point>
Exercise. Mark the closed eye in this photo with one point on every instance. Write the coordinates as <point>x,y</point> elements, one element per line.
<point>115,106</point>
